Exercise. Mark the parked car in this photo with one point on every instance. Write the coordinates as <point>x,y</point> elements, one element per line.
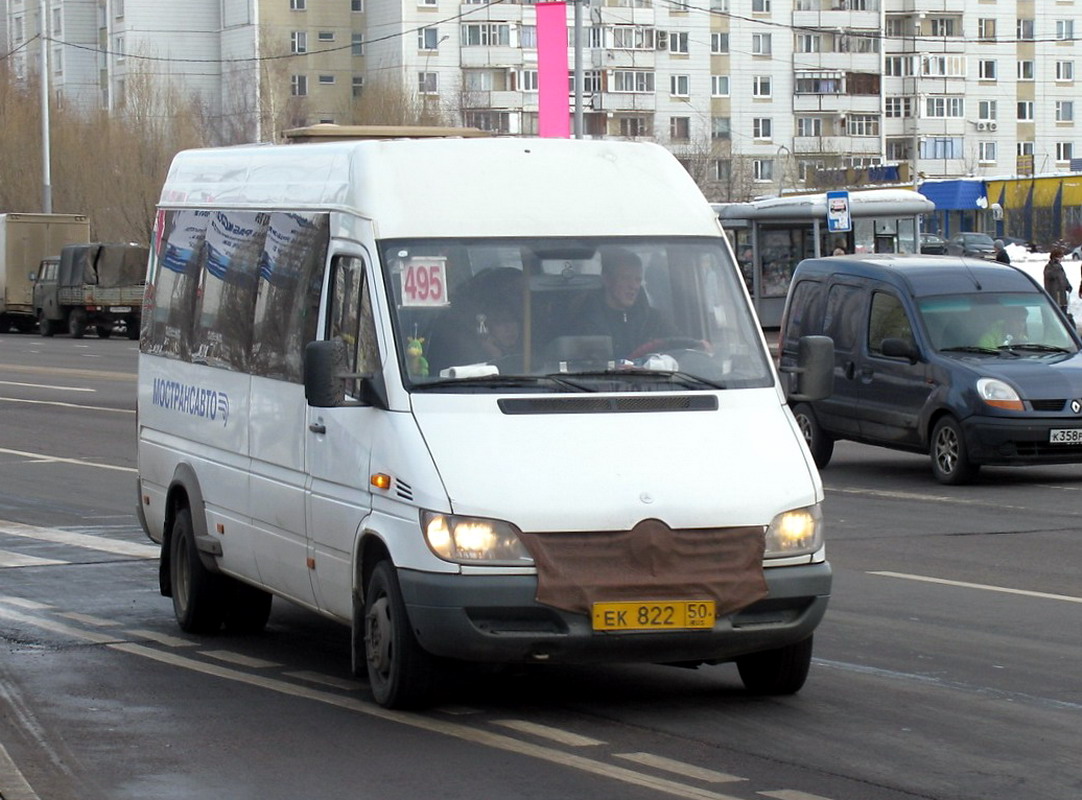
<point>969,362</point>
<point>1075,253</point>
<point>1018,240</point>
<point>932,244</point>
<point>971,244</point>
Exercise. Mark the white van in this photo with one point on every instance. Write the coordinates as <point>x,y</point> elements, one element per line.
<point>491,400</point>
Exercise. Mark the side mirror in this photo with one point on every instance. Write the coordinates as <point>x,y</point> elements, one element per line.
<point>33,276</point>
<point>899,348</point>
<point>814,369</point>
<point>326,378</point>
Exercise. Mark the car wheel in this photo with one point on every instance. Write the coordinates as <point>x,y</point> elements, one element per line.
<point>46,327</point>
<point>950,459</point>
<point>197,592</point>
<point>776,672</point>
<point>77,323</point>
<point>820,443</point>
<point>400,672</point>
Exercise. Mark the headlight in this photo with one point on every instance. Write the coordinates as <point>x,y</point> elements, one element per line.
<point>999,394</point>
<point>472,540</point>
<point>795,533</point>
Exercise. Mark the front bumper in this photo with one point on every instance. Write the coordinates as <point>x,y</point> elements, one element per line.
<point>496,619</point>
<point>1003,441</point>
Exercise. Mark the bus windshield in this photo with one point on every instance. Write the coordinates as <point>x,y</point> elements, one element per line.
<point>583,314</point>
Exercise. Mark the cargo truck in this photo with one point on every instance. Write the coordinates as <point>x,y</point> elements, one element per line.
<point>25,240</point>
<point>94,285</point>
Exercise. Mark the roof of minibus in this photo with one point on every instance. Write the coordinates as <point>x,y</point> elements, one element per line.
<point>456,187</point>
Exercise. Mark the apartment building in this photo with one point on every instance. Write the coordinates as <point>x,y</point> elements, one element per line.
<point>754,96</point>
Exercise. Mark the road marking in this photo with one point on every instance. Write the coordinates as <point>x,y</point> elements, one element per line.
<point>1065,598</point>
<point>48,459</point>
<point>88,619</point>
<point>67,405</point>
<point>789,794</point>
<point>160,638</point>
<point>680,768</point>
<point>74,372</point>
<point>920,497</point>
<point>22,602</point>
<point>546,732</point>
<point>324,680</point>
<point>10,559</point>
<point>101,543</point>
<point>239,659</point>
<point>13,782</point>
<point>48,386</point>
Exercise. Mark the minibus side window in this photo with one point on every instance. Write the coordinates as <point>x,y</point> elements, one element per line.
<point>350,318</point>
<point>171,299</point>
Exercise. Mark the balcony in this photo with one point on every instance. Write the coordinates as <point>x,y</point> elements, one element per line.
<point>620,101</point>
<point>472,57</point>
<point>833,145</point>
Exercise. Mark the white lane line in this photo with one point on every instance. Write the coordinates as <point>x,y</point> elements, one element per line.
<point>546,732</point>
<point>324,680</point>
<point>10,559</point>
<point>22,602</point>
<point>14,783</point>
<point>101,543</point>
<point>920,497</point>
<point>88,619</point>
<point>48,459</point>
<point>67,405</point>
<point>1064,598</point>
<point>680,768</point>
<point>239,659</point>
<point>790,794</point>
<point>160,638</point>
<point>477,736</point>
<point>47,386</point>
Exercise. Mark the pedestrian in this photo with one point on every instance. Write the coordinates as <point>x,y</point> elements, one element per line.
<point>1001,252</point>
<point>1055,281</point>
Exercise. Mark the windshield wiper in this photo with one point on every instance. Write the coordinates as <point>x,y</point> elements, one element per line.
<point>1037,348</point>
<point>970,349</point>
<point>684,379</point>
<point>502,382</point>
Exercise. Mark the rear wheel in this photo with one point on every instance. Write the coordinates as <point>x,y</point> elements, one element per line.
<point>820,443</point>
<point>77,323</point>
<point>777,672</point>
<point>950,458</point>
<point>400,671</point>
<point>197,592</point>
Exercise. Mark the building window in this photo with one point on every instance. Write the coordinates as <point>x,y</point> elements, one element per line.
<point>818,84</point>
<point>760,86</point>
<point>325,36</point>
<point>632,37</point>
<point>678,42</point>
<point>986,109</point>
<point>899,149</point>
<point>1025,110</point>
<point>1064,70</point>
<point>118,48</point>
<point>719,85</point>
<point>862,125</point>
<point>428,82</point>
<point>720,128</point>
<point>326,80</point>
<point>356,44</point>
<point>943,66</point>
<point>358,85</point>
<point>486,34</point>
<point>809,126</point>
<point>986,152</point>
<point>761,128</point>
<point>1064,151</point>
<point>118,8</point>
<point>528,80</point>
<point>428,39</point>
<point>1064,111</point>
<point>1024,29</point>
<point>953,107</point>
<point>1064,29</point>
<point>298,42</point>
<point>527,37</point>
<point>297,5</point>
<point>898,107</point>
<point>298,85</point>
<point>632,81</point>
<point>719,43</point>
<point>986,69</point>
<point>760,6</point>
<point>943,26</point>
<point>763,169</point>
<point>986,29</point>
<point>942,147</point>
<point>680,129</point>
<point>356,5</point>
<point>809,43</point>
<point>899,66</point>
<point>723,170</point>
<point>1024,148</point>
<point>679,85</point>
<point>633,127</point>
<point>1025,70</point>
<point>489,120</point>
<point>760,44</point>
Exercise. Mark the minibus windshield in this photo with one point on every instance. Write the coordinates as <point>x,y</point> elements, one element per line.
<point>582,314</point>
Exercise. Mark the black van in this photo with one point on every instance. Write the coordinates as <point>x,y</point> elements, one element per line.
<point>967,360</point>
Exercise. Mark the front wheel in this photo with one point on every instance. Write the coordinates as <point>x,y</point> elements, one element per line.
<point>197,592</point>
<point>400,671</point>
<point>777,672</point>
<point>950,458</point>
<point>46,327</point>
<point>820,443</point>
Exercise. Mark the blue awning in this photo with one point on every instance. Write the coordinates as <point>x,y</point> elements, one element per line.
<point>953,195</point>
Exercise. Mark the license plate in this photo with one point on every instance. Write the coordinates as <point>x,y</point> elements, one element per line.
<point>670,616</point>
<point>120,309</point>
<point>1065,436</point>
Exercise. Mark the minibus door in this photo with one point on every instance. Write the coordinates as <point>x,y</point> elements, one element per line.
<point>338,451</point>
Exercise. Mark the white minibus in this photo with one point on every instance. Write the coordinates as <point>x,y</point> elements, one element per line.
<point>483,400</point>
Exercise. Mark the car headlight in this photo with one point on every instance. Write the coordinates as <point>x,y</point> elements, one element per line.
<point>795,533</point>
<point>474,540</point>
<point>999,394</point>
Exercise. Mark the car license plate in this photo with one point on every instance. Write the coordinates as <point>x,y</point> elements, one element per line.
<point>120,309</point>
<point>1065,436</point>
<point>672,616</point>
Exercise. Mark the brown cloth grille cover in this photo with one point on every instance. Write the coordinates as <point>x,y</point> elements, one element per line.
<point>651,562</point>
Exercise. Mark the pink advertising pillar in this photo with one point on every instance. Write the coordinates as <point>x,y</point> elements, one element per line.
<point>554,117</point>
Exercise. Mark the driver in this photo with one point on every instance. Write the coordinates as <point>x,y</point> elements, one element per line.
<point>621,311</point>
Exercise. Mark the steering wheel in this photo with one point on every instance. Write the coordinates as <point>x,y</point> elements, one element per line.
<point>668,344</point>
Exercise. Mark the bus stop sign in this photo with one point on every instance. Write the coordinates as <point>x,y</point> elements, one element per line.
<point>838,219</point>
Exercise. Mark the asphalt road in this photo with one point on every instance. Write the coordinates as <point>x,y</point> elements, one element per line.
<point>947,667</point>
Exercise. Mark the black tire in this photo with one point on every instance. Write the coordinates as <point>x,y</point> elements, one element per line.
<point>133,329</point>
<point>77,323</point>
<point>46,327</point>
<point>197,593</point>
<point>247,608</point>
<point>777,672</point>
<point>820,443</point>
<point>950,458</point>
<point>400,672</point>
<point>103,332</point>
